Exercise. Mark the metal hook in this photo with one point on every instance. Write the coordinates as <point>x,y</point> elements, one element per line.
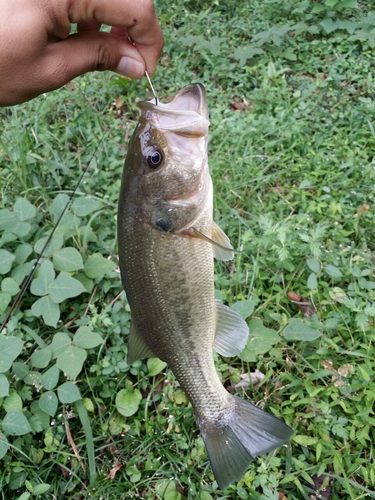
<point>147,76</point>
<point>152,87</point>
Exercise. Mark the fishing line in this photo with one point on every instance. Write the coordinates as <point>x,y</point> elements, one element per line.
<point>29,277</point>
<point>152,87</point>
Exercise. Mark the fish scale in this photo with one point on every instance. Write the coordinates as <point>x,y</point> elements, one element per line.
<point>167,244</point>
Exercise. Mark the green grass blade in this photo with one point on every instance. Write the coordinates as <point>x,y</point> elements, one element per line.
<point>85,421</point>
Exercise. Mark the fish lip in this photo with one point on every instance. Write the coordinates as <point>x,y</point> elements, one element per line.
<point>185,115</point>
<point>189,101</point>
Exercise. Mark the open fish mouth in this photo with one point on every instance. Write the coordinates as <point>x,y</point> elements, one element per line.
<point>186,114</point>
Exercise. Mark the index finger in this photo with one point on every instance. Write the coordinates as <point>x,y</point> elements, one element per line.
<point>136,16</point>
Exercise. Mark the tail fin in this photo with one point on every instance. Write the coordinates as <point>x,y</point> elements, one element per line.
<point>245,432</point>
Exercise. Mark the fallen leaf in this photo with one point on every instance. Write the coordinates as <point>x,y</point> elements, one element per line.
<point>72,443</point>
<point>120,101</point>
<point>344,370</point>
<point>282,496</point>
<point>337,381</point>
<point>180,490</point>
<point>364,208</point>
<point>293,296</point>
<point>112,473</point>
<point>241,105</point>
<point>66,474</point>
<point>302,303</point>
<point>327,365</point>
<point>247,379</point>
<point>322,487</point>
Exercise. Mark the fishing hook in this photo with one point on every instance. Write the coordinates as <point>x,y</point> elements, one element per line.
<point>147,76</point>
<point>152,87</point>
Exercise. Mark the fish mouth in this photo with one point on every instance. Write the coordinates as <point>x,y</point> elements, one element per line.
<point>190,100</point>
<point>186,114</point>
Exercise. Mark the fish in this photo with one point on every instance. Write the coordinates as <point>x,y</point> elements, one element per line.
<point>167,244</point>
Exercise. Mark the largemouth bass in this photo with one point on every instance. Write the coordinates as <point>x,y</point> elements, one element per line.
<point>167,244</point>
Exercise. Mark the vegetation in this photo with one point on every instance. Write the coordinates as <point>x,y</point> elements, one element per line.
<point>292,141</point>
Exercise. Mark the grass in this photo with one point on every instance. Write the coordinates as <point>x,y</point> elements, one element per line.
<point>290,93</point>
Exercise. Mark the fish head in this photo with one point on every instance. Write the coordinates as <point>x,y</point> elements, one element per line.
<point>169,181</point>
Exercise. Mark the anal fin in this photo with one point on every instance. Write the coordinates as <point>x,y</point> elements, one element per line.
<point>137,347</point>
<point>232,331</point>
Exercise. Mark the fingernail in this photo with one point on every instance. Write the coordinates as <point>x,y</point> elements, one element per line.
<point>130,67</point>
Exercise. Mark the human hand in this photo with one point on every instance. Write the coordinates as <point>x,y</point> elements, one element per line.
<point>37,53</point>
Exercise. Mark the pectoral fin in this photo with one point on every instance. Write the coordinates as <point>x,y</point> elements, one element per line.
<point>231,331</point>
<point>137,347</point>
<point>223,249</point>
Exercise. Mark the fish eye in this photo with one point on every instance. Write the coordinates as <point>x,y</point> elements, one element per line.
<point>155,159</point>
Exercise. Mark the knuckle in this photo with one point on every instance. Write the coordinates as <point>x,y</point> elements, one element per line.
<point>54,71</point>
<point>148,6</point>
<point>148,11</point>
<point>105,59</point>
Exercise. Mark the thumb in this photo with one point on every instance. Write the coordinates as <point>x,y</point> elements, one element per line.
<point>89,51</point>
